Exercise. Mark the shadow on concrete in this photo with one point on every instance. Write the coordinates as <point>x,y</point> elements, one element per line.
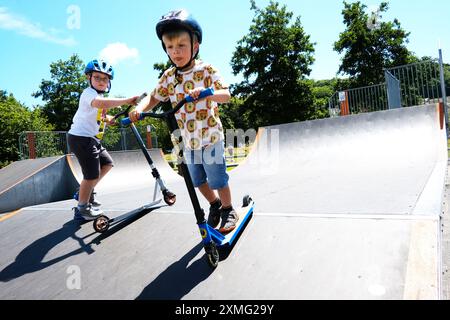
<point>121,222</point>
<point>30,258</point>
<point>179,278</point>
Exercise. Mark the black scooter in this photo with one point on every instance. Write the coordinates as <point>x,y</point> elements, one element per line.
<point>212,238</point>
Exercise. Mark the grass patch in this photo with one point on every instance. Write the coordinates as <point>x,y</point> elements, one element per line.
<point>233,157</point>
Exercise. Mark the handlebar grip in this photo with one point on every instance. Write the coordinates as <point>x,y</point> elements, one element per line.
<point>125,121</point>
<point>141,97</point>
<point>205,93</point>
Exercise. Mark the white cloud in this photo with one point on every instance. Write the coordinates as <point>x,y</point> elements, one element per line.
<point>21,25</point>
<point>117,52</point>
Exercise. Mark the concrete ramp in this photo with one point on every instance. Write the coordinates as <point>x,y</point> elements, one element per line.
<point>346,208</point>
<point>387,162</point>
<point>131,171</point>
<point>35,181</point>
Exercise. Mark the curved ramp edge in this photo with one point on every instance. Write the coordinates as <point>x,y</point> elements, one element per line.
<point>37,182</point>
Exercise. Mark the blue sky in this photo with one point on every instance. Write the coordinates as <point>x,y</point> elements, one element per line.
<point>34,34</point>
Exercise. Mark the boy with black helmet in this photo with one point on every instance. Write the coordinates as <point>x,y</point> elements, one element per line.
<point>86,133</point>
<point>199,122</point>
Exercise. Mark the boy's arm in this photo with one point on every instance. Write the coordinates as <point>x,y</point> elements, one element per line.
<point>220,96</point>
<point>108,103</point>
<point>148,106</point>
<point>143,107</point>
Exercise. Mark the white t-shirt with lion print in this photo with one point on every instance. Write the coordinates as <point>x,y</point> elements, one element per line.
<point>199,121</point>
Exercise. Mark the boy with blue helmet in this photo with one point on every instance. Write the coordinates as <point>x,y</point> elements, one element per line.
<point>101,67</point>
<point>86,133</point>
<point>199,122</point>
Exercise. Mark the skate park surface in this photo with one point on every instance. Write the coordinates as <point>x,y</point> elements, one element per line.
<point>346,208</point>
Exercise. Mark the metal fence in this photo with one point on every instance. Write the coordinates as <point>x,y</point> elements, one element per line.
<point>418,83</point>
<point>358,100</point>
<point>36,144</point>
<point>405,86</point>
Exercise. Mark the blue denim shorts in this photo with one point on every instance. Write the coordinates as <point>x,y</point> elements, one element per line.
<point>207,165</point>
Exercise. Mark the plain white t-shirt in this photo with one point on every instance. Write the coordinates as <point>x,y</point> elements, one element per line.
<point>87,121</point>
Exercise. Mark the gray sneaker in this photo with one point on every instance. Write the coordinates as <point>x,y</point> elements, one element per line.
<point>92,200</point>
<point>86,213</point>
<point>229,220</point>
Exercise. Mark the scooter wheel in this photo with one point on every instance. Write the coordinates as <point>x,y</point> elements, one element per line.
<point>212,255</point>
<point>101,224</point>
<point>169,197</point>
<point>246,201</point>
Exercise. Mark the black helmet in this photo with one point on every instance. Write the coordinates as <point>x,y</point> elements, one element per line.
<point>176,20</point>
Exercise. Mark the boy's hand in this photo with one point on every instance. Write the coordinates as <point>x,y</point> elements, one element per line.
<point>134,115</point>
<point>195,92</point>
<point>110,121</point>
<point>133,100</point>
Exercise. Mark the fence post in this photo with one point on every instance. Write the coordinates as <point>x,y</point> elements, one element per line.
<point>31,145</point>
<point>343,98</point>
<point>123,142</point>
<point>444,94</point>
<point>68,151</point>
<point>149,137</point>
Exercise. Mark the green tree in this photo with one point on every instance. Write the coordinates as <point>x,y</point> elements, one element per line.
<point>14,119</point>
<point>62,92</point>
<point>321,91</point>
<point>369,45</point>
<point>274,58</point>
<point>231,114</point>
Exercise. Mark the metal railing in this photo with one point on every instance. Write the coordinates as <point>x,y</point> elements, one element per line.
<point>419,82</point>
<point>408,85</point>
<point>38,144</point>
<point>358,100</point>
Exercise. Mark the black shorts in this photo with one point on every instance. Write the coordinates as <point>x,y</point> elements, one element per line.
<point>90,154</point>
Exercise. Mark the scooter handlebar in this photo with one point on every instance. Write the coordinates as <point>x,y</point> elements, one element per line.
<point>205,93</point>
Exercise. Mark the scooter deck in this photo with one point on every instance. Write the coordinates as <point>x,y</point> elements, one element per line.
<point>153,205</point>
<point>244,214</point>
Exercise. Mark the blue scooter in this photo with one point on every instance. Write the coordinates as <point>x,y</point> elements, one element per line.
<point>212,238</point>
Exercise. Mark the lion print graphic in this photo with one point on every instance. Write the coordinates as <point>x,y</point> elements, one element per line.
<point>188,86</point>
<point>163,92</point>
<point>198,76</point>
<point>194,143</point>
<point>218,85</point>
<point>215,137</point>
<point>207,82</point>
<point>210,69</point>
<point>189,107</point>
<point>191,126</point>
<point>201,115</point>
<point>180,96</point>
<point>212,122</point>
<point>205,132</point>
<point>171,89</point>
